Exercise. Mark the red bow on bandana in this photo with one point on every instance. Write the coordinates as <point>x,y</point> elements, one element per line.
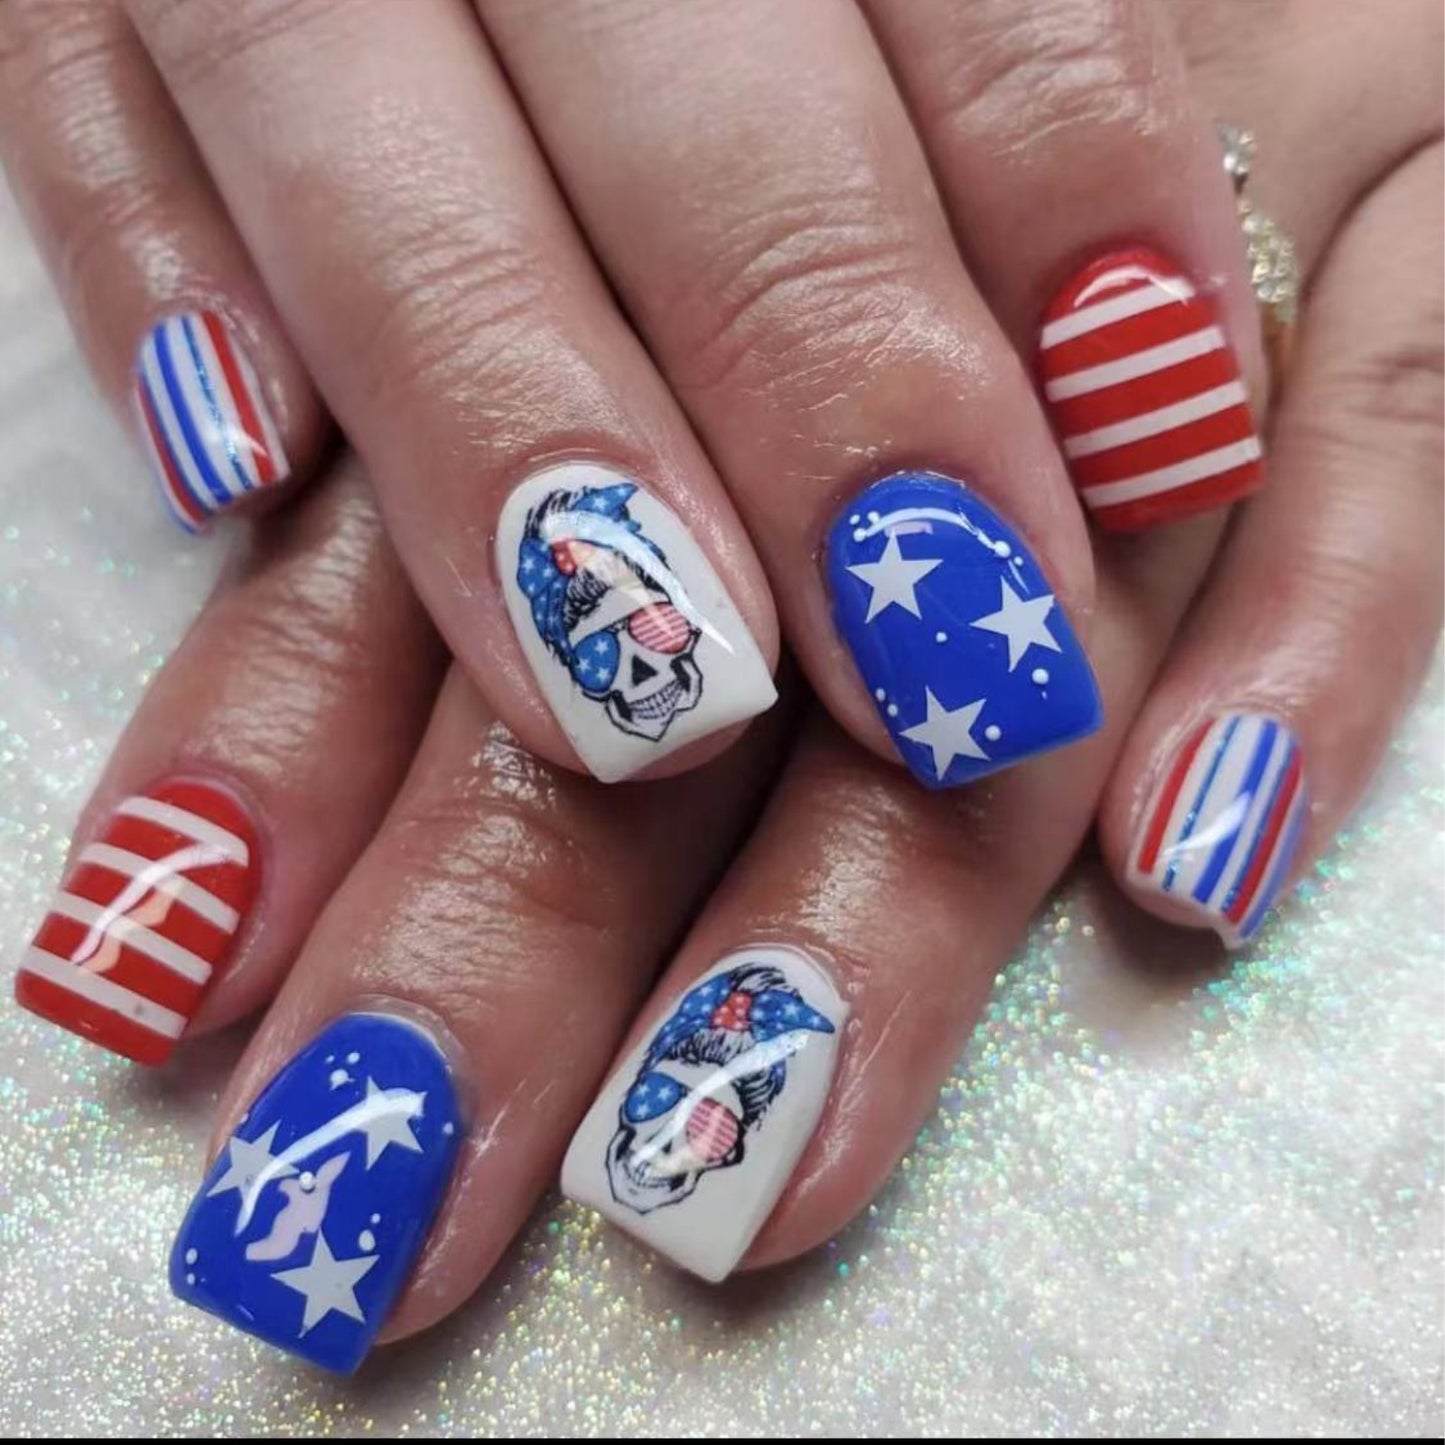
<point>734,1012</point>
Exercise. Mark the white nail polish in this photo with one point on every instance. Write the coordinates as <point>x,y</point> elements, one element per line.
<point>692,1140</point>
<point>633,639</point>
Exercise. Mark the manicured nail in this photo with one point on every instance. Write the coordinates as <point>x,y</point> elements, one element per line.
<point>692,1140</point>
<point>1145,394</point>
<point>969,658</point>
<point>634,641</point>
<point>147,914</point>
<point>310,1219</point>
<point>204,418</point>
<point>1223,825</point>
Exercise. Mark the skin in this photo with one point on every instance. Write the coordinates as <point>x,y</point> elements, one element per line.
<point>1320,603</point>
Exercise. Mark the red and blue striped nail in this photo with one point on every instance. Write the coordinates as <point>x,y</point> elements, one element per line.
<point>204,418</point>
<point>1221,831</point>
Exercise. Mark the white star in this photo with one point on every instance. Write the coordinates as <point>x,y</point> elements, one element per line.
<point>328,1284</point>
<point>1023,623</point>
<point>385,1118</point>
<point>948,735</point>
<point>893,578</point>
<point>246,1159</point>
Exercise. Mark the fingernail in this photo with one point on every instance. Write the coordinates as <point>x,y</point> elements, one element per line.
<point>310,1219</point>
<point>1145,394</point>
<point>144,918</point>
<point>1222,828</point>
<point>691,1141</point>
<point>204,418</point>
<point>971,662</point>
<point>634,641</point>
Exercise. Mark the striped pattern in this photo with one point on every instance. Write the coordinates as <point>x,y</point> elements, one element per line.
<point>148,912</point>
<point>1145,394</point>
<point>661,627</point>
<point>203,418</point>
<point>712,1131</point>
<point>1222,828</point>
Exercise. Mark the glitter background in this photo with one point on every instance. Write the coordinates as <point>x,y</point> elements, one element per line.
<point>1154,1199</point>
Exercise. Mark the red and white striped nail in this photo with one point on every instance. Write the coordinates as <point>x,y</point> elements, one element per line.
<point>204,418</point>
<point>144,918</point>
<point>1145,394</point>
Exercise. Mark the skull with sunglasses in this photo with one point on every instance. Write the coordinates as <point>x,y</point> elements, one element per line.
<point>609,609</point>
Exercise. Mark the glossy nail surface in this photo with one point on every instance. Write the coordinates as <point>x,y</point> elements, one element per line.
<point>633,639</point>
<point>1224,823</point>
<point>204,418</point>
<point>1145,394</point>
<point>691,1142</point>
<point>970,660</point>
<point>149,911</point>
<point>309,1222</point>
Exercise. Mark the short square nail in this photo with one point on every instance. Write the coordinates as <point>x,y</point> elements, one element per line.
<point>1145,394</point>
<point>693,1139</point>
<point>970,660</point>
<point>204,418</point>
<point>146,915</point>
<point>1222,828</point>
<point>633,639</point>
<point>309,1222</point>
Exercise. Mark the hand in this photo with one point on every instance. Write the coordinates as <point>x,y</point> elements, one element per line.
<point>783,227</point>
<point>970,868</point>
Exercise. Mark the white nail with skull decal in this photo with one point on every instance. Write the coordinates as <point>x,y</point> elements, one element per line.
<point>633,639</point>
<point>692,1140</point>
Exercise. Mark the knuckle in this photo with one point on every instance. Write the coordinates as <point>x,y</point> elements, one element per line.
<point>503,850</point>
<point>1032,72</point>
<point>460,309</point>
<point>798,296</point>
<point>42,41</point>
<point>195,41</point>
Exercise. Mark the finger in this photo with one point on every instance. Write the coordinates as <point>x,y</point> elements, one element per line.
<point>770,222</point>
<point>255,770</point>
<point>711,1126</point>
<point>1325,606</point>
<point>504,906</point>
<point>1076,168</point>
<point>454,320</point>
<point>175,322</point>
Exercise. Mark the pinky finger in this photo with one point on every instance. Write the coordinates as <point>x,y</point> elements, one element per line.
<point>175,322</point>
<point>1325,606</point>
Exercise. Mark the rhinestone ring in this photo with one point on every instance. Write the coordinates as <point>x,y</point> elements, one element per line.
<point>1273,265</point>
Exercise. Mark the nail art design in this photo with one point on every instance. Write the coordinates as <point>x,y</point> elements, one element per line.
<point>1145,393</point>
<point>970,660</point>
<point>144,918</point>
<point>1222,827</point>
<point>204,418</point>
<point>692,1140</point>
<point>636,645</point>
<point>310,1219</point>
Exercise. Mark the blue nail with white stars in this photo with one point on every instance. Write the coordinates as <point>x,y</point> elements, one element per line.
<point>970,660</point>
<point>311,1218</point>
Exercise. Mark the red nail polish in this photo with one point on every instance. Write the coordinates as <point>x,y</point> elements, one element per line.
<point>149,910</point>
<point>1145,394</point>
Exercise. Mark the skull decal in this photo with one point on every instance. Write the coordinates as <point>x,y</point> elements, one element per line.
<point>609,609</point>
<point>709,1076</point>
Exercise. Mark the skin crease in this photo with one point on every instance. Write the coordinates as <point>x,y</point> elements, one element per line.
<point>308,677</point>
<point>125,213</point>
<point>523,906</point>
<point>457,326</point>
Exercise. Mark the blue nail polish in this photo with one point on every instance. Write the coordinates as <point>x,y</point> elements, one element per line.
<point>971,662</point>
<point>311,1218</point>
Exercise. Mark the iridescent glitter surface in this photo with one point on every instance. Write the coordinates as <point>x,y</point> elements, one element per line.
<point>1158,1196</point>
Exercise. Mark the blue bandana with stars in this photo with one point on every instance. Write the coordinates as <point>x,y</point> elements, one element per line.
<point>592,663</point>
<point>771,1013</point>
